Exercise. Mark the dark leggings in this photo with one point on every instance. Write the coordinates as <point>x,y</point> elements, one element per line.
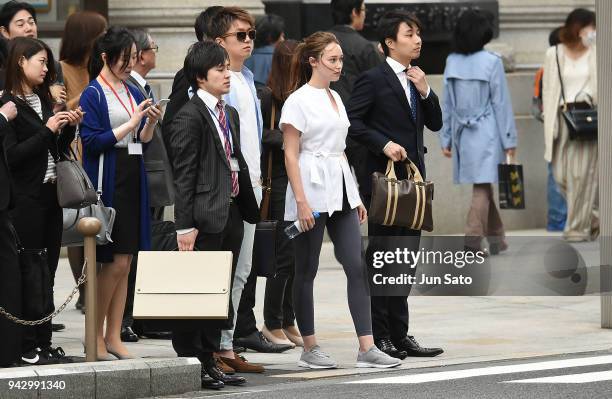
<point>343,229</point>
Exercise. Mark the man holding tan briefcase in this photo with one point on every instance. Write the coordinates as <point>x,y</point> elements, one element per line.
<point>389,106</point>
<point>214,195</point>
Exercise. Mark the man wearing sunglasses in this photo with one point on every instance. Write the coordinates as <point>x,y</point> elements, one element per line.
<point>233,29</point>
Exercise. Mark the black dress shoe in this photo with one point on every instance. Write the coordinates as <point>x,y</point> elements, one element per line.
<point>386,346</point>
<point>412,347</point>
<point>157,334</point>
<point>210,383</point>
<point>239,349</point>
<point>209,366</point>
<point>257,342</point>
<point>57,327</point>
<point>127,335</point>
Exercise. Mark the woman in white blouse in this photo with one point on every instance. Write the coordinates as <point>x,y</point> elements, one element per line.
<point>315,125</point>
<point>574,162</point>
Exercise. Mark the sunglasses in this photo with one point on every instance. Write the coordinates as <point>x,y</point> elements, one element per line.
<point>242,35</point>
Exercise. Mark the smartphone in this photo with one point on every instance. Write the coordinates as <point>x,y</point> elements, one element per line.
<point>161,103</point>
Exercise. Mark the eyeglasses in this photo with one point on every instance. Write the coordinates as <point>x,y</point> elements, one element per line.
<point>154,48</point>
<point>242,35</point>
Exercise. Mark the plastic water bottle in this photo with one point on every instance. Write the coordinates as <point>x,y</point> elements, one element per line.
<point>295,229</point>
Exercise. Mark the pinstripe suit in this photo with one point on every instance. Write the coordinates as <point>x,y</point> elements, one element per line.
<point>202,175</point>
<point>202,182</point>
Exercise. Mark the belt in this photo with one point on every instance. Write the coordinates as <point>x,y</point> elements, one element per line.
<point>315,177</point>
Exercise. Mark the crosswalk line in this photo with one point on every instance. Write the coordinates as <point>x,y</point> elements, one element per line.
<point>484,371</point>
<point>582,378</point>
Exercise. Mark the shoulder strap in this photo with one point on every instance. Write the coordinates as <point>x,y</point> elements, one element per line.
<point>100,174</point>
<point>559,71</point>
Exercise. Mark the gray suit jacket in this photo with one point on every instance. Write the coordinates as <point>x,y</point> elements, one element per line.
<point>202,176</point>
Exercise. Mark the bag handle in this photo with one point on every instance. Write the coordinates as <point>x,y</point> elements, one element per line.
<point>266,203</point>
<point>411,168</point>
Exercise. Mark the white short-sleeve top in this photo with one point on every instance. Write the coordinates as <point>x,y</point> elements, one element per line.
<point>323,164</point>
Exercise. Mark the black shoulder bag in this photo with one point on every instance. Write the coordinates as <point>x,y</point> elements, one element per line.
<point>580,117</point>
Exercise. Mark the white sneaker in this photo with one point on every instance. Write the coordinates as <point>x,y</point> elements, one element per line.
<point>376,358</point>
<point>316,359</point>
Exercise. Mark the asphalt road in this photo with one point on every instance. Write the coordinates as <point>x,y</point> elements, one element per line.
<point>587,375</point>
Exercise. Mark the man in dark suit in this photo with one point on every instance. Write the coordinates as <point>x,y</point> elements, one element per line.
<point>360,55</point>
<point>214,195</point>
<point>388,109</point>
<point>10,277</point>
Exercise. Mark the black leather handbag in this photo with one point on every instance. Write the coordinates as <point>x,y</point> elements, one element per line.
<point>264,244</point>
<point>580,117</point>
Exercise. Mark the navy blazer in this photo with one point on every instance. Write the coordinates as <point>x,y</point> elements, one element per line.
<point>379,112</point>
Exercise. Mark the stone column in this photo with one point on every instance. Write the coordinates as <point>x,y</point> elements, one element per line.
<point>604,91</point>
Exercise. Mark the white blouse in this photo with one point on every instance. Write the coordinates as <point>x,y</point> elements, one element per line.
<point>322,162</point>
<point>576,80</point>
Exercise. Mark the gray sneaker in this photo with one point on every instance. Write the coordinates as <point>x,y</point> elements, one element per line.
<point>316,359</point>
<point>377,359</point>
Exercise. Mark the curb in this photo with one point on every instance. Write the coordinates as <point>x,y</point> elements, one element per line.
<point>135,378</point>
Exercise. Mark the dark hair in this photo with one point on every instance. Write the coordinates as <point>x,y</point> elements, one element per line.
<point>576,20</point>
<point>279,81</point>
<point>3,53</point>
<point>553,37</point>
<point>221,22</point>
<point>202,57</point>
<point>270,27</point>
<point>342,10</point>
<point>389,23</point>
<point>473,30</point>
<point>312,46</point>
<point>8,11</point>
<point>202,22</point>
<point>80,32</point>
<point>28,47</point>
<point>117,44</point>
<point>142,39</point>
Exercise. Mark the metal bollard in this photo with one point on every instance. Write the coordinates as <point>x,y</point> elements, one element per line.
<point>89,227</point>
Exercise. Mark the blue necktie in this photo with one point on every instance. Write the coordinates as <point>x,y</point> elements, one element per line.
<point>413,100</point>
<point>412,94</point>
<point>149,92</point>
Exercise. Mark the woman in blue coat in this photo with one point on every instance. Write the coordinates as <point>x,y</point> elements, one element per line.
<point>479,130</point>
<point>117,121</point>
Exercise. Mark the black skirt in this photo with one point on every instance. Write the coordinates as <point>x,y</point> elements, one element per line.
<point>126,201</point>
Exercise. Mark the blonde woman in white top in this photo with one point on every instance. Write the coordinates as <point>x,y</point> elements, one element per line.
<point>315,125</point>
<point>574,162</point>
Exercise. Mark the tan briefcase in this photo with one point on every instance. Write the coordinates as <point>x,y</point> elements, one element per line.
<point>183,285</point>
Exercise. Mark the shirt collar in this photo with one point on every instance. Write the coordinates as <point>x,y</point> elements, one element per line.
<point>396,66</point>
<point>210,100</point>
<point>141,81</point>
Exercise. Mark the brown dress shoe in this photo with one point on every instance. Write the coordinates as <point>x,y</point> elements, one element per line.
<point>221,365</point>
<point>241,365</point>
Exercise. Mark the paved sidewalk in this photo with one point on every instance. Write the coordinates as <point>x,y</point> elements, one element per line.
<point>470,329</point>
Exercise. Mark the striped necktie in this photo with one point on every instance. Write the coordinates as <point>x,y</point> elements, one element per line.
<point>227,145</point>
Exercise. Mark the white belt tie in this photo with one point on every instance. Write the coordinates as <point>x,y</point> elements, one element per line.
<point>315,176</point>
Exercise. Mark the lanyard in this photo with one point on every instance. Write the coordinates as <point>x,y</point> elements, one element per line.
<point>119,99</point>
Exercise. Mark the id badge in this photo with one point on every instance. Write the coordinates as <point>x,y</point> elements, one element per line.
<point>135,148</point>
<point>234,167</point>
